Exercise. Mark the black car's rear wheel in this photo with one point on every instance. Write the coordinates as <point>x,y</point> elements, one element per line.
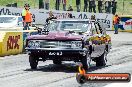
<point>86,61</point>
<point>33,62</point>
<point>101,61</point>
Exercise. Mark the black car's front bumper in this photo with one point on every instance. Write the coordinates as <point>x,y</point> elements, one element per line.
<point>64,54</point>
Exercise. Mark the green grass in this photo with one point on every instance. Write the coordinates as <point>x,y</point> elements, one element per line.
<point>34,4</point>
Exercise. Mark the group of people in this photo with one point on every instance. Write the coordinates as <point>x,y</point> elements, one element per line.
<point>107,6</point>
<point>27,18</point>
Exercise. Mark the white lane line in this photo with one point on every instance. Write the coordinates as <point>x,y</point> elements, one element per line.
<point>129,84</point>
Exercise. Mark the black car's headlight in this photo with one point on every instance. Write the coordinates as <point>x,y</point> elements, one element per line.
<point>76,44</point>
<point>33,44</point>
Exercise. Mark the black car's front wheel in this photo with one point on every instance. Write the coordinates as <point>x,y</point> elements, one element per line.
<point>86,61</point>
<point>57,61</point>
<point>33,62</point>
<point>101,61</point>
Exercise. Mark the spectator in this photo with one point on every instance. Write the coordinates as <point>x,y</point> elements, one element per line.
<point>116,23</point>
<point>70,15</point>
<point>64,5</point>
<point>90,5</point>
<point>57,4</point>
<point>24,14</point>
<point>108,6</point>
<point>51,16</point>
<point>114,6</point>
<point>93,6</point>
<point>27,17</point>
<point>93,17</point>
<point>100,6</point>
<point>85,5</point>
<point>78,5</point>
<point>47,4</point>
<point>70,8</point>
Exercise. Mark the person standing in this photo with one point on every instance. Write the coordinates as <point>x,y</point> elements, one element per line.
<point>70,9</point>
<point>64,4</point>
<point>100,4</point>
<point>114,6</point>
<point>109,6</point>
<point>24,14</point>
<point>85,5</point>
<point>57,4</point>
<point>90,5</point>
<point>116,23</point>
<point>78,5</point>
<point>27,17</point>
<point>106,6</point>
<point>93,6</point>
<point>51,16</point>
<point>47,4</point>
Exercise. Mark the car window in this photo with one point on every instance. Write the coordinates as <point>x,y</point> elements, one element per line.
<point>7,19</point>
<point>53,26</point>
<point>77,26</point>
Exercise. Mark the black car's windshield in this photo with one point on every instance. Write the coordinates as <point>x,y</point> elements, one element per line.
<point>7,19</point>
<point>77,26</point>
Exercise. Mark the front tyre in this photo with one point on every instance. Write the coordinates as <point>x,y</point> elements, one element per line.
<point>80,78</point>
<point>57,61</point>
<point>33,62</point>
<point>101,61</point>
<point>86,61</point>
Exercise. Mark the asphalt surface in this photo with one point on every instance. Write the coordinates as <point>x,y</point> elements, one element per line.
<point>15,70</point>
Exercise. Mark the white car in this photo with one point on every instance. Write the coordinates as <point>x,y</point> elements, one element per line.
<point>10,22</point>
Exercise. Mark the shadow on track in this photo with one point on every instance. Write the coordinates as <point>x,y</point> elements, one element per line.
<point>65,67</point>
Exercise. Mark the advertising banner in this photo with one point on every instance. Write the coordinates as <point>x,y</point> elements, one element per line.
<point>126,23</point>
<point>11,43</point>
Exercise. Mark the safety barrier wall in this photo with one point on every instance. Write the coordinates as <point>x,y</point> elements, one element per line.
<point>13,42</point>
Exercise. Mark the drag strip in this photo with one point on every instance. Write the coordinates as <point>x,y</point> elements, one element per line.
<point>15,70</point>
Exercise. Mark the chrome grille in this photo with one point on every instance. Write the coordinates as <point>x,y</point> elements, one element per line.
<point>55,44</point>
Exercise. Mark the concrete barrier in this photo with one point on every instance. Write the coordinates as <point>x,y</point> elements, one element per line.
<point>13,42</point>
